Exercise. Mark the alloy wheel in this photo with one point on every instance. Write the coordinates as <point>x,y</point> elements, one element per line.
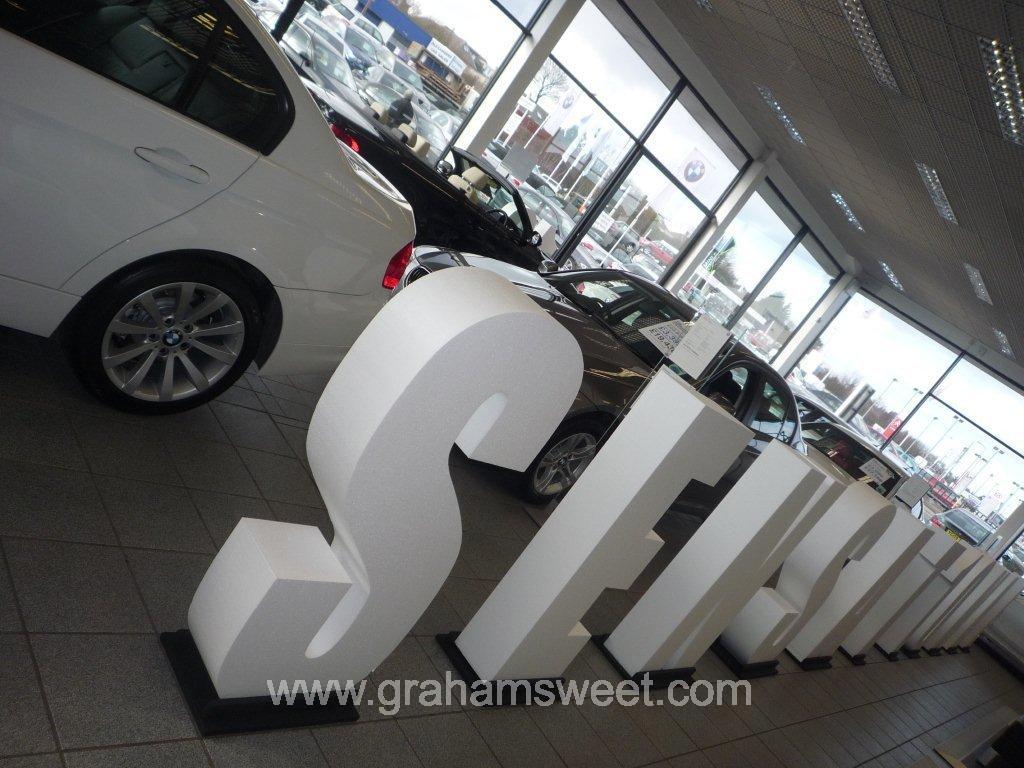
<point>563,463</point>
<point>173,342</point>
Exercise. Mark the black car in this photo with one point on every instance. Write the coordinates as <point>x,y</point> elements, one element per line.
<point>606,311</point>
<point>485,215</point>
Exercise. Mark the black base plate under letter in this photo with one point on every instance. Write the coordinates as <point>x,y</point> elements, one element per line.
<point>741,669</point>
<point>965,649</point>
<point>933,651</point>
<point>951,651</point>
<point>214,715</point>
<point>911,653</point>
<point>496,698</point>
<point>889,656</point>
<point>660,678</point>
<point>857,660</point>
<point>813,663</point>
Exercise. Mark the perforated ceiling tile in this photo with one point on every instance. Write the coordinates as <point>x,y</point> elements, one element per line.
<point>863,138</point>
<point>924,31</point>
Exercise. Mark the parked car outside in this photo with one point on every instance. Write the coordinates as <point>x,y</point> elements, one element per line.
<point>226,227</point>
<point>606,311</point>
<point>963,526</point>
<point>365,50</point>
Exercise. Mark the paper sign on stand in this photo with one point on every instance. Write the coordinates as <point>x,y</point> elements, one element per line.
<point>698,348</point>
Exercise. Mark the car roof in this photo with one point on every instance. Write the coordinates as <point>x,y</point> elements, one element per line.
<point>859,439</point>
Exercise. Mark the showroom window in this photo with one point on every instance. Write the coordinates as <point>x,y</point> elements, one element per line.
<point>643,226</point>
<point>603,55</point>
<point>441,53</point>
<point>694,147</point>
<point>786,299</point>
<point>871,368</point>
<point>559,143</point>
<point>609,133</point>
<point>742,257</point>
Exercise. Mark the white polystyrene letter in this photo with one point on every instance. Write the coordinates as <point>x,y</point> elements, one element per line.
<point>938,553</point>
<point>459,357</point>
<point>860,584</point>
<point>965,586</point>
<point>944,634</point>
<point>774,615</point>
<point>741,544</point>
<point>1012,588</point>
<point>600,534</point>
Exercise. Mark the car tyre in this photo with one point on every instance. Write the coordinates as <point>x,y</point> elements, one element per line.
<point>562,459</point>
<point>166,337</point>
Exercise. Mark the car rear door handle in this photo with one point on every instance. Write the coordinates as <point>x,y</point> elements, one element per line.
<point>168,160</point>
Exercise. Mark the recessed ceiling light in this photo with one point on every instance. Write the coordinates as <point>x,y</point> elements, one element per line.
<point>1004,343</point>
<point>769,98</point>
<point>979,285</point>
<point>866,38</point>
<point>930,177</point>
<point>847,212</point>
<point>892,276</point>
<point>1005,87</point>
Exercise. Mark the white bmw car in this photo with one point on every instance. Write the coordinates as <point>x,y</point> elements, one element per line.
<point>174,204</point>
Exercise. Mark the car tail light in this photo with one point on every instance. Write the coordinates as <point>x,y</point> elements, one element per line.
<point>345,138</point>
<point>396,267</point>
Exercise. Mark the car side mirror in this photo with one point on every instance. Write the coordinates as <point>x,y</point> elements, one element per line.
<point>546,266</point>
<point>535,238</point>
<point>445,168</point>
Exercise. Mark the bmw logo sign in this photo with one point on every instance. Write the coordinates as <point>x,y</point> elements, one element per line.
<point>694,171</point>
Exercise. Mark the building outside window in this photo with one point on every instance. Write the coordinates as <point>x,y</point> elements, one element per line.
<point>871,368</point>
<point>786,299</point>
<point>742,257</point>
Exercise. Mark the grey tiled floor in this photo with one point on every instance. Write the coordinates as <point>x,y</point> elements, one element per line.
<point>108,521</point>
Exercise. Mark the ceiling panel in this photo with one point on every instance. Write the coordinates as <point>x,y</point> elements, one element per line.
<point>862,138</point>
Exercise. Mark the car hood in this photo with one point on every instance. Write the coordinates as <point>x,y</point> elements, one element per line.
<point>605,357</point>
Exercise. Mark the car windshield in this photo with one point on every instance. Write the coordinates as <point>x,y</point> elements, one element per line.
<point>343,9</point>
<point>369,29</point>
<point>332,64</point>
<point>408,75</point>
<point>433,134</point>
<point>386,78</point>
<point>845,452</point>
<point>626,307</point>
<point>359,42</point>
<point>974,529</point>
<point>377,92</point>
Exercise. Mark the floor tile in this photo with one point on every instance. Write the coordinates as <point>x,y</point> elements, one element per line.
<point>573,738</point>
<point>9,619</point>
<point>110,690</point>
<point>490,557</point>
<point>744,753</point>
<point>175,754</point>
<point>274,749</point>
<point>514,738</point>
<point>123,449</point>
<point>51,503</point>
<point>367,745</point>
<point>64,587</point>
<point>211,466</point>
<point>447,741</point>
<point>32,761</point>
<point>251,429</point>
<point>221,512</point>
<point>167,581</point>
<point>24,725</point>
<point>154,516</point>
<point>281,478</point>
<point>38,433</point>
<point>409,661</point>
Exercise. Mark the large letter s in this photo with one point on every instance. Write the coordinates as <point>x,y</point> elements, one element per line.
<point>459,357</point>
